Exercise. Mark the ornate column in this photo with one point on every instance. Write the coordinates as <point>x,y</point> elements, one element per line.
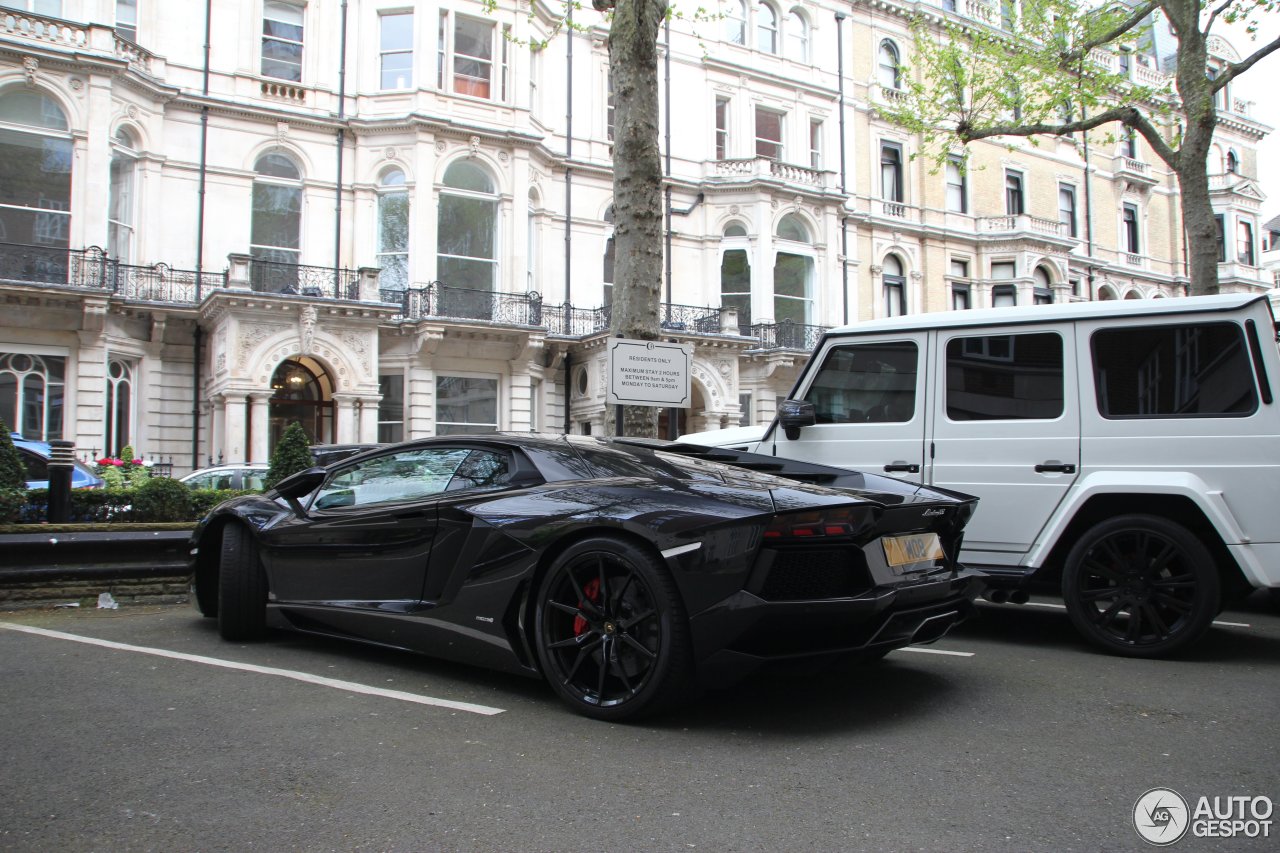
<point>217,429</point>
<point>345,429</point>
<point>367,419</point>
<point>234,442</point>
<point>259,421</point>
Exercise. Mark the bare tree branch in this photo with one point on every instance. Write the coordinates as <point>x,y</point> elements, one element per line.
<point>1234,71</point>
<point>1084,48</point>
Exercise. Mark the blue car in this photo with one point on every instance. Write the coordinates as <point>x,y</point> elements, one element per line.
<point>35,458</point>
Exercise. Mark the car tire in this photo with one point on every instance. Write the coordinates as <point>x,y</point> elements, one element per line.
<point>1141,586</point>
<point>242,587</point>
<point>611,632</point>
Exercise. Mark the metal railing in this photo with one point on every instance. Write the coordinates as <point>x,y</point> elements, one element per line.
<point>303,280</point>
<point>92,269</point>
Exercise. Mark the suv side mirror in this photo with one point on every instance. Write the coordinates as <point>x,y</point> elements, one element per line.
<point>794,414</point>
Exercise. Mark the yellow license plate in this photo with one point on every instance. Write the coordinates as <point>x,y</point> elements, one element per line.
<point>914,548</point>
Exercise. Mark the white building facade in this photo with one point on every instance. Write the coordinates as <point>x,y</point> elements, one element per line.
<point>388,221</point>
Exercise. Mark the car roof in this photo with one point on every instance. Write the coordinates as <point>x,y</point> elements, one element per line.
<point>1050,313</point>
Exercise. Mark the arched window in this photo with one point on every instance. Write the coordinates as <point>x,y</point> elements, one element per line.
<point>766,28</point>
<point>1233,163</point>
<point>606,274</point>
<point>119,409</point>
<point>792,277</point>
<point>735,273</point>
<point>797,36</point>
<point>467,240</point>
<point>35,170</point>
<point>735,22</point>
<point>120,201</point>
<point>276,230</point>
<point>887,70</point>
<point>895,287</point>
<point>393,233</point>
<point>1042,292</point>
<point>32,388</point>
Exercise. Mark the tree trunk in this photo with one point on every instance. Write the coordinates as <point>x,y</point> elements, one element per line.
<point>1193,156</point>
<point>637,185</point>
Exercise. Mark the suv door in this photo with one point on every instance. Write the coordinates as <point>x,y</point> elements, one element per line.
<point>870,408</point>
<point>1006,428</point>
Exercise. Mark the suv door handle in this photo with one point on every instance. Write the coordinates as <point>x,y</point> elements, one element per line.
<point>1054,465</point>
<point>909,467</point>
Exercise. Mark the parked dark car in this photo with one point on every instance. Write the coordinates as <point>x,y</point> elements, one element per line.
<point>327,454</point>
<point>622,571</point>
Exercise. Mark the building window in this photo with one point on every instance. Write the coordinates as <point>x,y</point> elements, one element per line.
<point>396,50</point>
<point>888,66</point>
<point>815,144</point>
<point>891,171</point>
<point>722,128</point>
<point>610,105</point>
<point>1042,292</point>
<point>1067,208</point>
<point>1132,244</point>
<point>895,287</point>
<point>1129,147</point>
<point>120,198</point>
<point>957,196</point>
<point>768,134</point>
<point>1244,237</point>
<point>735,22</point>
<point>466,55</point>
<point>40,7</point>
<point>1221,227</point>
<point>961,298</point>
<point>797,36</point>
<point>282,41</point>
<point>792,275</point>
<point>119,408</point>
<point>1013,194</point>
<point>735,273</point>
<point>276,227</point>
<point>126,18</point>
<point>766,28</point>
<point>606,275</point>
<point>393,232</point>
<point>391,408</point>
<point>466,405</point>
<point>466,238</point>
<point>35,174</point>
<point>32,388</point>
<point>1003,295</point>
<point>744,408</point>
<point>1233,163</point>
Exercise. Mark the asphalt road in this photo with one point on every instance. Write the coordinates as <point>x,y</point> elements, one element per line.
<point>1024,741</point>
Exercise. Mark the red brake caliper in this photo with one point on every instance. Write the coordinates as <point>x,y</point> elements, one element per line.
<point>592,592</point>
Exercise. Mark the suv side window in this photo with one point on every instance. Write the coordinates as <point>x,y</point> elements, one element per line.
<point>866,383</point>
<point>1005,377</point>
<point>1191,370</point>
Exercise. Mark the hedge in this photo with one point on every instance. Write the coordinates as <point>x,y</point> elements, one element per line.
<point>100,506</point>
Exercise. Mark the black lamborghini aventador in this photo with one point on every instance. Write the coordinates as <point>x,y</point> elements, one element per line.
<point>622,571</point>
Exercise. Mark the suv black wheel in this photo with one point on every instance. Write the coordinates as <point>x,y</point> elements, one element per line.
<point>611,631</point>
<point>1141,586</point>
<point>242,587</point>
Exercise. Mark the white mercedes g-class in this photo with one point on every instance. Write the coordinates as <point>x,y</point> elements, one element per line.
<point>1125,453</point>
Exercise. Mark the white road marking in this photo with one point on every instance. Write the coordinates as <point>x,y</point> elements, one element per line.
<point>263,670</point>
<point>1064,607</point>
<point>923,651</point>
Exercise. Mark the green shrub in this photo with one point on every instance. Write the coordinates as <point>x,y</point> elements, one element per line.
<point>292,454</point>
<point>161,499</point>
<point>12,503</point>
<point>13,474</point>
<point>203,500</point>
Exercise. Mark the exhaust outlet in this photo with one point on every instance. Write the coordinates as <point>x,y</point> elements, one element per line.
<point>996,596</point>
<point>1019,596</point>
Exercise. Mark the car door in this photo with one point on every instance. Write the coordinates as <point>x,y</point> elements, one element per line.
<point>366,539</point>
<point>869,403</point>
<point>1005,427</point>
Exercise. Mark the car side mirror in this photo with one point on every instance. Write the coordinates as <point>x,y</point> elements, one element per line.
<point>795,414</point>
<point>300,485</point>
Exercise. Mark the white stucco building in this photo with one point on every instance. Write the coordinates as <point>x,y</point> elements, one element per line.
<point>391,220</point>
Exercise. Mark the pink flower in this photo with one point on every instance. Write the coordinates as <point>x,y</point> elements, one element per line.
<point>117,462</point>
<point>106,460</point>
<point>137,462</point>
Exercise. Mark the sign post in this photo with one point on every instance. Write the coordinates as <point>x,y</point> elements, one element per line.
<point>649,373</point>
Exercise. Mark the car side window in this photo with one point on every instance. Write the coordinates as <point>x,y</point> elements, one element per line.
<point>254,480</point>
<point>1175,371</point>
<point>481,469</point>
<point>392,478</point>
<point>866,383</point>
<point>1005,377</point>
<point>37,466</point>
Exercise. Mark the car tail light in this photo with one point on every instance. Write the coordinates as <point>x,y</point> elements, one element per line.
<point>819,524</point>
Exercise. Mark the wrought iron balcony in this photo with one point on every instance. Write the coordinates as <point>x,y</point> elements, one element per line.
<point>92,269</point>
<point>302,280</point>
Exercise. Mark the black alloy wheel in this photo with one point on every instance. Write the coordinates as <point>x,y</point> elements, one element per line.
<point>1140,586</point>
<point>611,631</point>
<point>242,587</point>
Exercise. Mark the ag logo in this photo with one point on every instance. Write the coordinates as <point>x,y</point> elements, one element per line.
<point>1161,816</point>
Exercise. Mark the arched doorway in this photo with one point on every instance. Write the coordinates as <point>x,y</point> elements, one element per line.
<point>303,392</point>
